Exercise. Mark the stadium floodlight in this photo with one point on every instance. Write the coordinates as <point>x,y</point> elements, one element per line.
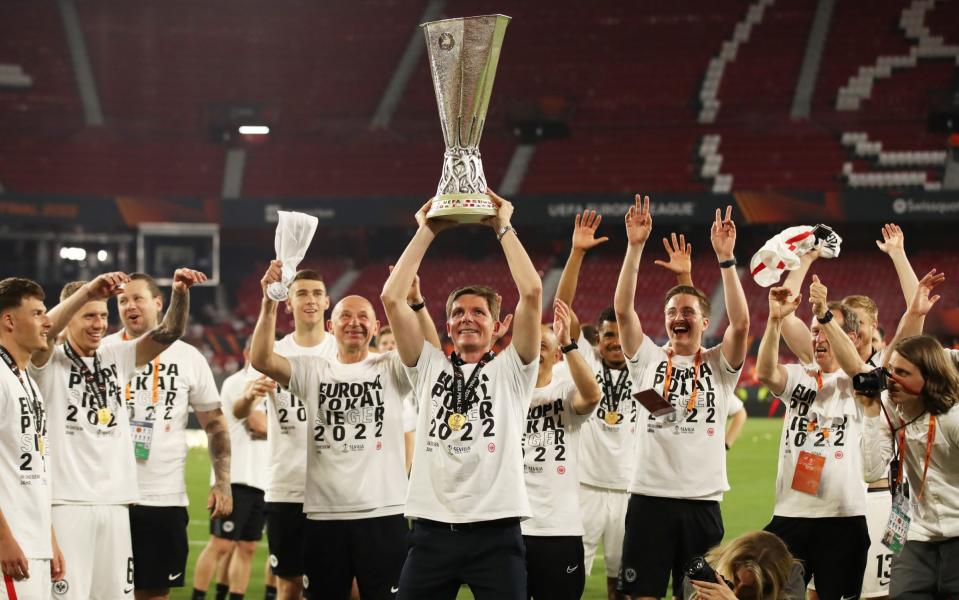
<point>103,255</point>
<point>254,130</point>
<point>73,253</point>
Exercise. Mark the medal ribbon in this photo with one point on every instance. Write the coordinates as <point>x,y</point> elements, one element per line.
<point>613,392</point>
<point>691,403</point>
<point>95,382</point>
<point>39,422</point>
<point>930,438</point>
<point>156,377</point>
<point>462,389</point>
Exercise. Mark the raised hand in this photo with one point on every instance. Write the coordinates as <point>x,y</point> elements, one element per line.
<point>922,302</point>
<point>817,297</point>
<point>274,274</point>
<point>259,387</point>
<point>107,285</point>
<point>639,223</point>
<point>184,279</point>
<point>504,212</point>
<point>723,234</point>
<point>892,239</point>
<point>680,255</point>
<point>782,303</point>
<point>434,225</point>
<point>562,316</point>
<point>584,231</point>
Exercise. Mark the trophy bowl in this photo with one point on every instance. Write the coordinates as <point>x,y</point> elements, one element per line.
<point>463,55</point>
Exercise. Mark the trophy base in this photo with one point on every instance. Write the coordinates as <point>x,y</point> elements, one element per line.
<point>462,208</point>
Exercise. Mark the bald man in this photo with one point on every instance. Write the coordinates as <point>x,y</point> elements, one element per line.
<point>356,478</point>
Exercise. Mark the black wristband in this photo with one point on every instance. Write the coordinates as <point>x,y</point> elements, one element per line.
<point>825,318</point>
<point>567,349</point>
<point>727,446</point>
<point>725,264</point>
<point>418,307</point>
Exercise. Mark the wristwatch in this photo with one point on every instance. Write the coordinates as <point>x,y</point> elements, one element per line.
<point>419,305</point>
<point>825,318</point>
<point>569,348</point>
<point>503,231</point>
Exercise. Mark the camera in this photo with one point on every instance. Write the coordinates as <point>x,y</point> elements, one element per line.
<point>700,570</point>
<point>871,382</point>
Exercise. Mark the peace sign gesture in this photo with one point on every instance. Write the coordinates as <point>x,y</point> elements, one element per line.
<point>723,235</point>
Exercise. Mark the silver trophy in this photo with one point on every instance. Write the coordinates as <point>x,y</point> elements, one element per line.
<point>463,57</point>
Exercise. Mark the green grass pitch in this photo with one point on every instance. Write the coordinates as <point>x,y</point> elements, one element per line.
<point>747,506</point>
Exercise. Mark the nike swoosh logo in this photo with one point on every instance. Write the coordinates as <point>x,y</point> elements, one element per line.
<point>172,577</point>
<point>571,569</point>
<point>127,591</point>
<point>394,589</point>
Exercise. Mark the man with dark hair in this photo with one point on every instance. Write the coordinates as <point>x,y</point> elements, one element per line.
<point>822,423</point>
<point>607,438</point>
<point>157,401</point>
<point>93,465</point>
<point>681,457</point>
<point>28,545</point>
<point>466,491</point>
<point>287,435</point>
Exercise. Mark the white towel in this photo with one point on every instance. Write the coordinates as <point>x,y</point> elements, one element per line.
<point>294,232</point>
<point>781,252</point>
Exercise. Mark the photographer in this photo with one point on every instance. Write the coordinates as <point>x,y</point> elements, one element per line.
<point>912,426</point>
<point>755,565</point>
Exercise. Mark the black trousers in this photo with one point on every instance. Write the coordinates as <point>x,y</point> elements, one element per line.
<point>554,567</point>
<point>489,557</point>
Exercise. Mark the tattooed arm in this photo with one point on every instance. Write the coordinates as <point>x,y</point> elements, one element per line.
<point>173,326</point>
<point>218,440</point>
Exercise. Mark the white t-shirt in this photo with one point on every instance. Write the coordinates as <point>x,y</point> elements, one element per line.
<point>286,428</point>
<point>24,471</point>
<point>607,448</point>
<point>826,422</point>
<point>355,466</point>
<point>734,406</point>
<point>550,460</point>
<point>683,455</point>
<point>476,473</point>
<point>409,414</point>
<point>91,464</point>
<point>249,458</point>
<point>179,376</point>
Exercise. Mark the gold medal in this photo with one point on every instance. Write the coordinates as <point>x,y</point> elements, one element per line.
<point>456,421</point>
<point>612,417</point>
<point>104,416</point>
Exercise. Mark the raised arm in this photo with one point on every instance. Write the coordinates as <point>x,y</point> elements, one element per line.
<point>402,318</point>
<point>680,259</point>
<point>893,244</point>
<point>173,325</point>
<point>218,443</point>
<point>723,238</point>
<point>795,332</point>
<point>842,346</point>
<point>262,356</point>
<point>588,393</point>
<point>529,309</point>
<point>584,239</point>
<point>639,224</point>
<point>782,303</point>
<point>101,288</point>
<point>415,299</point>
<point>920,304</point>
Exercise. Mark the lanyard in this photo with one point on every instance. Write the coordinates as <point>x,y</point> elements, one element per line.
<point>462,389</point>
<point>691,403</point>
<point>930,438</point>
<point>95,382</point>
<point>156,377</point>
<point>614,392</point>
<point>36,410</point>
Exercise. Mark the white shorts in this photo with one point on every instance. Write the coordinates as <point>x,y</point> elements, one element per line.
<point>96,546</point>
<point>875,581</point>
<point>604,520</point>
<point>37,587</point>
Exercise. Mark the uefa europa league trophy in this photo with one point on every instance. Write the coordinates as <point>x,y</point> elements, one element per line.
<point>463,56</point>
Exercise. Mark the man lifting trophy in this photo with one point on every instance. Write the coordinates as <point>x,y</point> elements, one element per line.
<point>463,57</point>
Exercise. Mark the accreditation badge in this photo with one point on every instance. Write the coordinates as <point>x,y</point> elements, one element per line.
<point>808,473</point>
<point>897,528</point>
<point>142,434</point>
